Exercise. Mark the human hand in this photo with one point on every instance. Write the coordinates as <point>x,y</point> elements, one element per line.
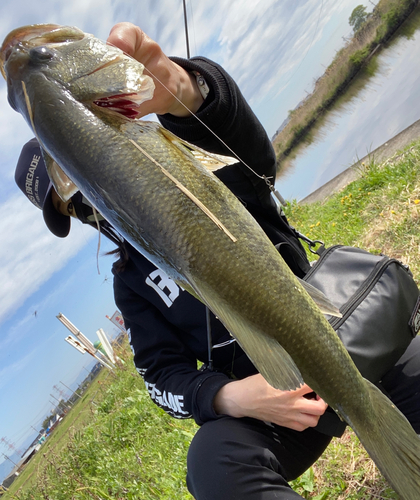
<point>254,397</point>
<point>134,42</point>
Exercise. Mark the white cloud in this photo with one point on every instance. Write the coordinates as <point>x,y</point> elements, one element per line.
<point>29,254</point>
<point>260,43</point>
<point>264,42</point>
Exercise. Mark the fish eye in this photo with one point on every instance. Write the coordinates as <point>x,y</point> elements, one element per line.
<point>41,54</point>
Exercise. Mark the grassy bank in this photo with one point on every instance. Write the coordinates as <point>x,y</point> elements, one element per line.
<point>379,212</point>
<point>387,17</point>
<point>116,444</point>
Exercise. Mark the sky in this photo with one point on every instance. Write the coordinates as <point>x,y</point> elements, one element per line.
<point>274,49</point>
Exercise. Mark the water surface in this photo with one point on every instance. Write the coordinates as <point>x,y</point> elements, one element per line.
<point>374,110</point>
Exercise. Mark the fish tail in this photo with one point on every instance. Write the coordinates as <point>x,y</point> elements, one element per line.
<point>392,443</point>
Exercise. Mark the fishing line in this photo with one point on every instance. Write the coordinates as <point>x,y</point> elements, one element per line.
<point>263,177</point>
<point>266,179</point>
<point>204,125</point>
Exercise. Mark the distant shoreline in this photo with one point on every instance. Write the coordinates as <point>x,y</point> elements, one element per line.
<point>381,154</point>
<point>387,17</point>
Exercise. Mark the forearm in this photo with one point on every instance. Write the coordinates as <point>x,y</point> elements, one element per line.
<point>225,111</point>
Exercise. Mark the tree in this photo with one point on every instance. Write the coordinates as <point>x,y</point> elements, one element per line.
<point>46,422</point>
<point>358,17</point>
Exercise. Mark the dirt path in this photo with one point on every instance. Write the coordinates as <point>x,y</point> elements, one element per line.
<point>379,155</point>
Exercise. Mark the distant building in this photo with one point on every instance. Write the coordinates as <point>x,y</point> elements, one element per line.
<point>30,452</point>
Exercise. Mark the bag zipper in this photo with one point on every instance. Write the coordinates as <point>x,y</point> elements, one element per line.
<point>363,291</point>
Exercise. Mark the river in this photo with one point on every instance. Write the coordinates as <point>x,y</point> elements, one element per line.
<point>382,101</point>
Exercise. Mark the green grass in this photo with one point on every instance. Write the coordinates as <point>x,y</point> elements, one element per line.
<point>121,446</point>
<point>379,212</point>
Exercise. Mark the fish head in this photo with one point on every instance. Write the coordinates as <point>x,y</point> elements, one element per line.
<point>93,72</point>
<point>48,67</point>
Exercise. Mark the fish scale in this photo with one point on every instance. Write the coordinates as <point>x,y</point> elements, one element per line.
<point>181,217</point>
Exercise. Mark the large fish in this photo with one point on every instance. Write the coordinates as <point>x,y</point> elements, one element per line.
<point>79,95</point>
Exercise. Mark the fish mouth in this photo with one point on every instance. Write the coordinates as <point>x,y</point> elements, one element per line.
<point>20,41</point>
<point>35,35</point>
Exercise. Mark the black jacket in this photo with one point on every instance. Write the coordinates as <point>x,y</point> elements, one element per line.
<point>167,326</point>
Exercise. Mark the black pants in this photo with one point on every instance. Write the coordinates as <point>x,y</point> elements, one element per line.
<point>248,459</point>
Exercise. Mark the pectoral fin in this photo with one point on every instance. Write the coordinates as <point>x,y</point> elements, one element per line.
<point>209,160</point>
<point>64,187</point>
<point>324,303</point>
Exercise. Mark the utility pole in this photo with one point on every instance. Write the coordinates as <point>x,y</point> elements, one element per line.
<point>61,402</point>
<point>7,458</point>
<point>32,427</point>
<point>74,392</point>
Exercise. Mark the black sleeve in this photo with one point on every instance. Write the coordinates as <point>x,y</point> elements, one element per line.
<point>164,360</point>
<point>227,114</point>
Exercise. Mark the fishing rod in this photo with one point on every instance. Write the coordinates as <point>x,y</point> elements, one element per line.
<point>186,29</point>
<point>273,190</point>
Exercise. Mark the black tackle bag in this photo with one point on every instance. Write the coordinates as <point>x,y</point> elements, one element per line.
<point>378,299</point>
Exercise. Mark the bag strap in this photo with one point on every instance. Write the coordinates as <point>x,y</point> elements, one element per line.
<point>312,244</point>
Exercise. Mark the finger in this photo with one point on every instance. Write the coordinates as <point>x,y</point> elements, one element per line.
<point>127,37</point>
<point>312,406</point>
<point>318,398</point>
<point>302,422</point>
<point>309,394</point>
<point>309,420</point>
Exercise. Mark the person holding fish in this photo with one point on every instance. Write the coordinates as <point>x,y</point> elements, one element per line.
<point>253,438</point>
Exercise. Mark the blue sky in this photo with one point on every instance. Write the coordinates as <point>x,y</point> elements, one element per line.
<point>275,49</point>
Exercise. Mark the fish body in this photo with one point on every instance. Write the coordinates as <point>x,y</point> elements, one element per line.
<point>151,188</point>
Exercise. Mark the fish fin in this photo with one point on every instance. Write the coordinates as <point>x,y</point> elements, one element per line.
<point>392,443</point>
<point>271,360</point>
<point>210,161</point>
<point>323,302</point>
<point>64,187</point>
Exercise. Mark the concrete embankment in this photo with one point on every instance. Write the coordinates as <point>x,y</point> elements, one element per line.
<point>379,155</point>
